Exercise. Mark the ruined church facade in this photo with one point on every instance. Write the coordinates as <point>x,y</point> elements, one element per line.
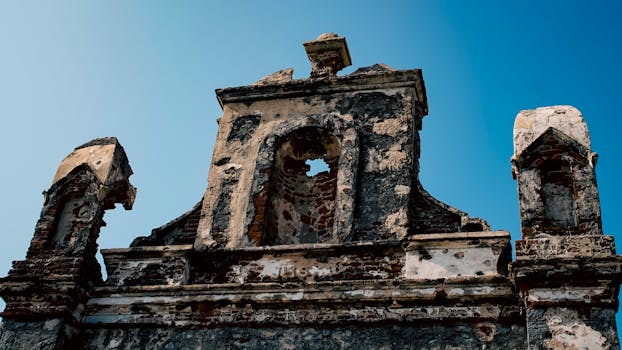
<point>358,255</point>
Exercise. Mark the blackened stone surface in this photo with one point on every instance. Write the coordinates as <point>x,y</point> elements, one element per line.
<point>480,336</point>
<point>222,212</point>
<point>375,104</point>
<point>243,128</point>
<point>41,335</point>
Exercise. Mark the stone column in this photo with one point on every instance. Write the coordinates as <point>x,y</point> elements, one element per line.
<point>566,269</point>
<point>45,293</point>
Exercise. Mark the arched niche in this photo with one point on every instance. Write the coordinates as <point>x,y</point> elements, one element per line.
<point>557,194</point>
<point>301,204</point>
<point>557,187</point>
<point>291,205</point>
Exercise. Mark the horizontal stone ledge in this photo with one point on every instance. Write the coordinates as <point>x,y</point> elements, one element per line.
<point>596,295</point>
<point>452,236</point>
<point>459,290</point>
<point>560,271</point>
<point>28,311</point>
<point>381,283</point>
<point>430,256</point>
<point>246,316</point>
<point>149,250</point>
<point>40,286</point>
<point>283,263</point>
<point>187,249</point>
<point>319,247</point>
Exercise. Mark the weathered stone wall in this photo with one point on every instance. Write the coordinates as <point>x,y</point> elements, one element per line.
<point>569,328</point>
<point>356,256</point>
<point>423,257</point>
<point>388,336</point>
<point>438,291</point>
<point>251,170</point>
<point>53,333</point>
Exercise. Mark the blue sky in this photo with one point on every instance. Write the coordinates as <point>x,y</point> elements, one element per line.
<point>146,71</point>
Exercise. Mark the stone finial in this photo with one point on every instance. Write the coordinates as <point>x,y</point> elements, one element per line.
<point>328,54</point>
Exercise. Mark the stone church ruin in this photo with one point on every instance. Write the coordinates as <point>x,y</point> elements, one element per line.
<point>357,255</point>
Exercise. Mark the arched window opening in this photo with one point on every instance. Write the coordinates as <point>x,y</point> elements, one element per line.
<point>302,188</point>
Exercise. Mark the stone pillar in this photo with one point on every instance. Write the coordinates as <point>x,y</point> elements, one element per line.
<point>566,269</point>
<point>46,292</point>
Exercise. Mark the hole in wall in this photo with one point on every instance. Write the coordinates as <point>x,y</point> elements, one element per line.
<point>316,166</point>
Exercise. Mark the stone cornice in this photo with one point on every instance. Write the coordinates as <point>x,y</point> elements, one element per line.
<point>304,87</point>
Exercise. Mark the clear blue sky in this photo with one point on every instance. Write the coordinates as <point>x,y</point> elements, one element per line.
<point>145,72</point>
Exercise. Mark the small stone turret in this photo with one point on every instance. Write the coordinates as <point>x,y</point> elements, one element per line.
<point>46,293</point>
<point>554,166</point>
<point>566,269</point>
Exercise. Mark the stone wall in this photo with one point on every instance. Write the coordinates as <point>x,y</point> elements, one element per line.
<point>387,336</point>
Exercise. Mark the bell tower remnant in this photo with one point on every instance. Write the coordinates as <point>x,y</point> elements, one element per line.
<point>566,269</point>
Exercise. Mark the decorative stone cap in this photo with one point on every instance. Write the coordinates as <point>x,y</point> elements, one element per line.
<point>530,124</point>
<point>108,161</point>
<point>328,54</point>
<point>97,154</point>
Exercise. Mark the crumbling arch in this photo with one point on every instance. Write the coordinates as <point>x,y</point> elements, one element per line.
<point>286,150</point>
<point>302,207</point>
